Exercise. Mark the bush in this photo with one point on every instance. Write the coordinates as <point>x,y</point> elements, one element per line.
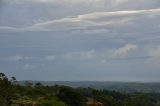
<point>52,102</point>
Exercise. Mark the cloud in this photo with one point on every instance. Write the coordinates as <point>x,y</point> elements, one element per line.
<point>98,2</point>
<point>104,15</point>
<point>155,52</point>
<point>28,66</point>
<point>50,57</point>
<point>30,11</point>
<point>106,54</point>
<point>125,50</point>
<point>56,1</point>
<point>82,55</point>
<point>90,31</point>
<point>15,58</point>
<point>106,36</point>
<point>61,24</point>
<point>105,19</point>
<point>8,29</point>
<point>96,20</point>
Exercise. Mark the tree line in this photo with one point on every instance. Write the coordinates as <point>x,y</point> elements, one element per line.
<point>14,94</point>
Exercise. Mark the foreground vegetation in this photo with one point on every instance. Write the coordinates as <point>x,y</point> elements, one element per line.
<point>13,94</point>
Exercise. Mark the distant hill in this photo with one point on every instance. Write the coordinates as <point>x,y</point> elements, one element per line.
<point>127,87</point>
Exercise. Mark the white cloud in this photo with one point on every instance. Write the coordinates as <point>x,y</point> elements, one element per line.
<point>15,58</point>
<point>96,19</point>
<point>50,57</point>
<point>61,24</point>
<point>102,55</point>
<point>82,55</point>
<point>155,52</point>
<point>125,50</point>
<point>8,29</point>
<point>121,1</point>
<point>88,32</point>
<point>90,2</point>
<point>28,66</point>
<point>98,35</point>
<point>57,1</point>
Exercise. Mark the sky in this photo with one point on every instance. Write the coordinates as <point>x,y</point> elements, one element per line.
<point>80,40</point>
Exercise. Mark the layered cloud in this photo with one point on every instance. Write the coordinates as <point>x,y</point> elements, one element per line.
<point>107,54</point>
<point>30,12</point>
<point>143,3</point>
<point>15,58</point>
<point>124,50</point>
<point>94,39</point>
<point>97,20</point>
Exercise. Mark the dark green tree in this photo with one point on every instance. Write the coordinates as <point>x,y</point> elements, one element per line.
<point>141,100</point>
<point>71,97</point>
<point>5,90</point>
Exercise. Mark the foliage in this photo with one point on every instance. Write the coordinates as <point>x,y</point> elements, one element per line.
<point>71,96</point>
<point>5,90</point>
<point>52,102</point>
<point>12,94</point>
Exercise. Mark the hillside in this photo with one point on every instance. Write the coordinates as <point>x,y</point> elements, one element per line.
<point>37,94</point>
<point>127,87</point>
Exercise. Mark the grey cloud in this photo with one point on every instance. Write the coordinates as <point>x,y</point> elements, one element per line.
<point>155,52</point>
<point>109,54</point>
<point>97,19</point>
<point>79,39</point>
<point>50,57</point>
<point>8,29</point>
<point>29,11</point>
<point>124,50</point>
<point>15,58</point>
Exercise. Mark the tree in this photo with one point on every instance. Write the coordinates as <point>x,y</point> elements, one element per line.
<point>28,84</point>
<point>5,90</point>
<point>52,102</point>
<point>70,96</point>
<point>38,84</point>
<point>141,100</point>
